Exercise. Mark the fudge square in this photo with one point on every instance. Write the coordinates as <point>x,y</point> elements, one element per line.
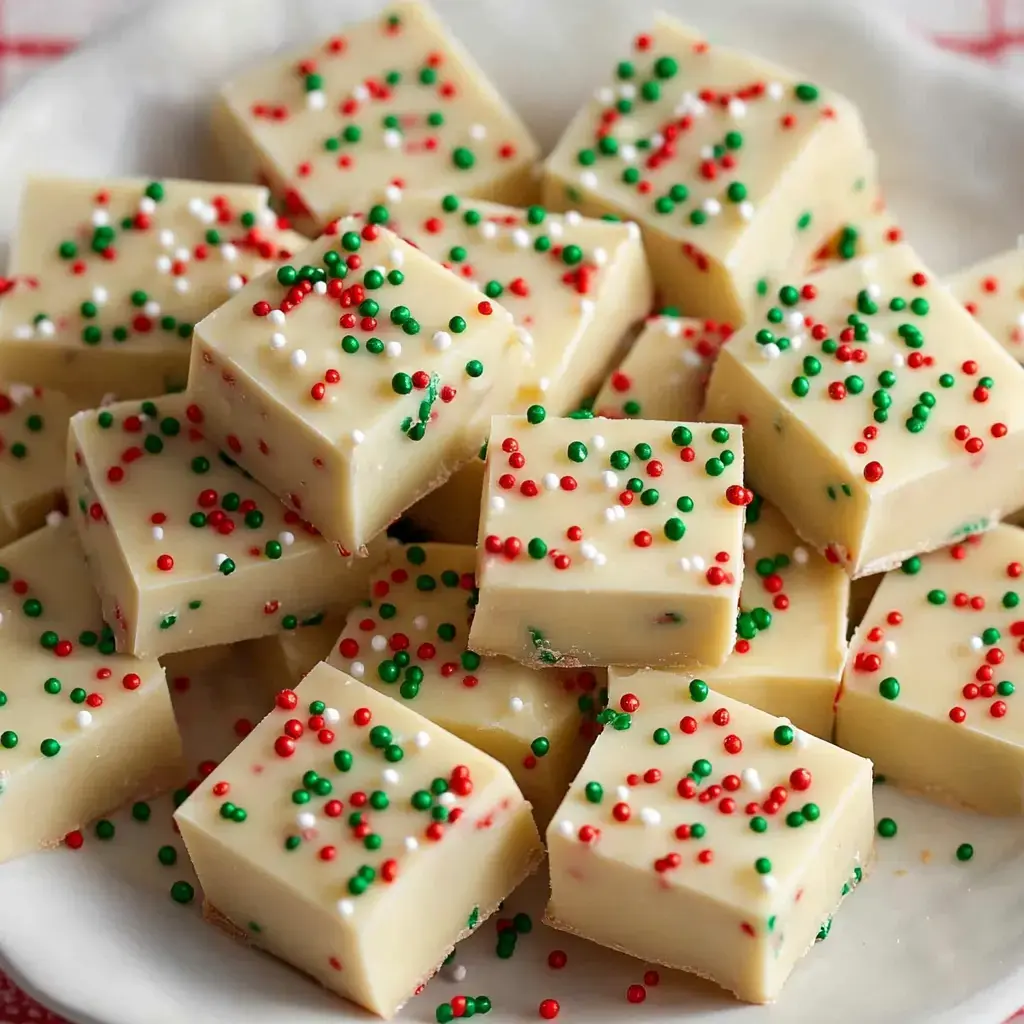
<point>610,542</point>
<point>70,708</point>
<point>878,417</point>
<point>929,692</point>
<point>187,551</point>
<point>392,99</point>
<point>411,643</point>
<point>696,808</point>
<point>348,385</point>
<point>574,284</point>
<point>33,437</point>
<point>664,374</point>
<point>109,276</point>
<point>736,170</point>
<point>993,291</point>
<point>347,827</point>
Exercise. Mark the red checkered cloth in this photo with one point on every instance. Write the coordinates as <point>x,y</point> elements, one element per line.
<point>991,30</point>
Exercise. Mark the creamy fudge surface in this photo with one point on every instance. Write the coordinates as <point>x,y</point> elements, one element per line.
<point>929,691</point>
<point>694,807</point>
<point>392,100</point>
<point>736,170</point>
<point>878,416</point>
<point>108,277</point>
<point>185,550</point>
<point>82,729</point>
<point>993,292</point>
<point>665,372</point>
<point>574,284</point>
<point>411,643</point>
<point>346,827</point>
<point>610,541</point>
<point>355,382</point>
<point>33,437</point>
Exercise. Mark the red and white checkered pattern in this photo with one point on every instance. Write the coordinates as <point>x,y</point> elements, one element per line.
<point>35,32</point>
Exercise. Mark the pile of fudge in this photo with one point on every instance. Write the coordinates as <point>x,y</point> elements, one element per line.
<point>659,418</point>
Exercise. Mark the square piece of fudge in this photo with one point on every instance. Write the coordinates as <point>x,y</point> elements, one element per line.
<point>928,691</point>
<point>664,374</point>
<point>82,729</point>
<point>186,550</point>
<point>33,438</point>
<point>348,384</point>
<point>346,827</point>
<point>610,542</point>
<point>394,99</point>
<point>878,416</point>
<point>107,278</point>
<point>696,808</point>
<point>993,292</point>
<point>736,170</point>
<point>412,643</point>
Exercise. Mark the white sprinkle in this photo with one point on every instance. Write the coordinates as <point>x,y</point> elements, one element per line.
<point>457,972</point>
<point>775,90</point>
<point>379,642</point>
<point>650,816</point>
<point>358,437</point>
<point>800,739</point>
<point>158,533</point>
<point>229,252</point>
<point>219,559</point>
<point>421,739</point>
<point>477,131</point>
<point>442,340</point>
<point>488,229</point>
<point>573,218</point>
<point>360,93</point>
<point>182,255</point>
<point>286,537</point>
<point>587,550</point>
<point>181,285</point>
<point>390,776</point>
<point>392,138</point>
<point>598,442</point>
<point>516,703</point>
<point>99,295</point>
<point>770,351</point>
<point>356,669</point>
<point>800,555</point>
<point>627,91</point>
<point>698,563</point>
<point>393,349</point>
<point>588,179</point>
<point>520,238</point>
<point>298,358</point>
<point>393,194</point>
<point>100,218</point>
<point>622,793</point>
<point>54,518</point>
<point>550,481</point>
<point>874,290</point>
<point>768,883</point>
<point>396,256</point>
<point>897,360</point>
<point>332,716</point>
<point>497,502</point>
<point>737,108</point>
<point>749,542</point>
<point>752,779</point>
<point>421,622</point>
<point>600,256</point>
<point>411,843</point>
<point>163,264</point>
<point>166,238</point>
<point>276,317</point>
<point>345,907</point>
<point>609,479</point>
<point>278,340</point>
<point>605,95</point>
<point>195,206</point>
<point>316,100</point>
<point>544,383</point>
<point>745,209</point>
<point>975,643</point>
<point>305,819</point>
<point>691,357</point>
<point>565,826</point>
<point>83,719</point>
<point>609,515</point>
<point>890,647</point>
<point>447,799</point>
<point>320,287</point>
<point>712,207</point>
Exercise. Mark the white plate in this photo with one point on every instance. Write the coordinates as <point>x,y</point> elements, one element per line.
<point>94,932</point>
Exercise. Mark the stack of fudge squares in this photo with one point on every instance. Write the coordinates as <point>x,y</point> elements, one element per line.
<point>659,413</point>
